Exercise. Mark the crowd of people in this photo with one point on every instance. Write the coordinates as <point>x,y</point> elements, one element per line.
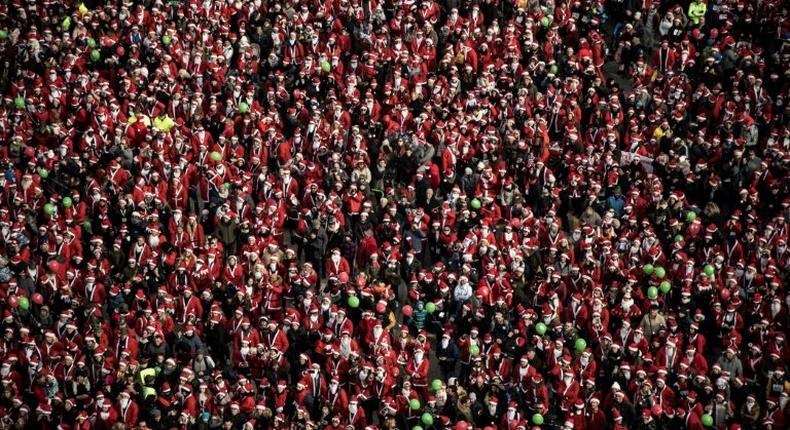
<point>394,214</point>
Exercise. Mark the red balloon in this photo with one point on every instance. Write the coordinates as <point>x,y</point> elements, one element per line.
<point>53,265</point>
<point>461,425</point>
<point>342,277</point>
<point>13,301</point>
<point>407,310</point>
<point>380,308</point>
<point>38,298</point>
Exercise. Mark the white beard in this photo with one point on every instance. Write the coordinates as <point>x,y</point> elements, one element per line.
<point>104,415</point>
<point>124,403</point>
<point>626,305</point>
<point>377,332</point>
<point>352,409</point>
<point>345,347</point>
<point>445,342</point>
<point>336,259</point>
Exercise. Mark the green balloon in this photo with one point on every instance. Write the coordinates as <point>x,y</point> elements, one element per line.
<point>707,420</point>
<point>216,156</point>
<point>678,238</point>
<point>325,66</point>
<point>652,293</point>
<point>648,268</point>
<point>49,209</point>
<point>416,428</point>
<point>91,43</point>
<point>66,24</point>
<point>581,344</point>
<point>537,419</point>
<point>166,40</point>
<point>243,107</point>
<point>475,204</point>
<point>545,21</point>
<point>665,287</point>
<point>95,55</point>
<point>660,272</point>
<point>86,225</point>
<point>430,307</point>
<point>691,216</point>
<point>436,385</point>
<point>540,328</point>
<point>3,34</point>
<point>414,404</point>
<point>708,270</point>
<point>24,303</point>
<point>19,102</point>
<point>427,419</point>
<point>554,69</point>
<point>67,202</point>
<point>474,350</point>
<point>43,173</point>
<point>353,301</point>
